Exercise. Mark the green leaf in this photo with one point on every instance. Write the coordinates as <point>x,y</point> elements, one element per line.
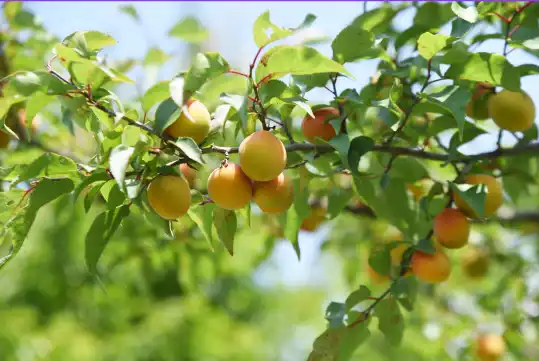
<point>101,231</point>
<point>96,176</point>
<point>167,112</point>
<point>16,228</point>
<point>190,149</point>
<point>226,224</point>
<point>48,165</point>
<point>390,320</point>
<point>292,219</point>
<point>469,14</point>
<point>335,313</point>
<point>155,94</point>
<point>359,146</point>
<point>429,44</point>
<point>352,338</point>
<point>203,217</point>
<point>155,57</point>
<point>189,29</point>
<point>426,245</point>
<point>475,197</point>
<point>362,48</point>
<point>380,260</point>
<point>88,41</point>
<point>296,60</point>
<point>23,83</point>
<point>404,289</point>
<point>358,296</point>
<point>204,68</point>
<point>489,68</point>
<point>338,199</point>
<point>131,11</point>
<point>266,32</point>
<point>34,105</point>
<point>118,163</point>
<point>408,169</point>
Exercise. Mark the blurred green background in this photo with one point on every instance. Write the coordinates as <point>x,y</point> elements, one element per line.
<point>162,299</point>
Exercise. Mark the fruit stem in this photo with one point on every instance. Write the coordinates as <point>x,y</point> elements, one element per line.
<point>231,71</point>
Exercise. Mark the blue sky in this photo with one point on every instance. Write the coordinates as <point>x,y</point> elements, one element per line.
<point>230,25</point>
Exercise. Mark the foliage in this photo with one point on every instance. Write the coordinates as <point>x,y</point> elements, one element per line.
<point>88,270</point>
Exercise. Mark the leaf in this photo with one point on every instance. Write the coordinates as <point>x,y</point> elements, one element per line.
<point>469,14</point>
<point>189,29</point>
<point>404,290</point>
<point>203,217</point>
<point>101,231</point>
<point>17,227</point>
<point>475,197</point>
<point>266,32</point>
<point>34,105</point>
<point>155,57</point>
<point>429,44</point>
<point>296,60</point>
<point>352,338</point>
<point>390,320</point>
<point>408,169</point>
<point>175,88</point>
<point>156,93</point>
<point>48,165</point>
<point>131,11</point>
<point>292,219</point>
<point>204,68</point>
<point>167,112</point>
<point>118,163</point>
<point>88,41</point>
<point>335,313</point>
<point>353,43</point>
<point>96,176</point>
<point>380,261</point>
<point>359,146</point>
<point>338,199</point>
<point>489,68</point>
<point>358,296</point>
<point>190,149</point>
<point>226,224</point>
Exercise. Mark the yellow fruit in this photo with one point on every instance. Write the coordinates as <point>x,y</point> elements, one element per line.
<point>189,173</point>
<point>490,347</point>
<point>169,196</point>
<point>262,156</point>
<point>431,268</point>
<point>494,197</point>
<point>274,196</point>
<point>229,187</point>
<point>513,111</point>
<point>475,262</point>
<point>477,107</point>
<point>451,228</point>
<point>319,126</point>
<point>193,122</point>
<point>315,219</point>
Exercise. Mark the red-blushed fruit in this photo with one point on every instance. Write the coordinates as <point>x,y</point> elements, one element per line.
<point>431,268</point>
<point>490,347</point>
<point>189,173</point>
<point>314,219</point>
<point>262,156</point>
<point>193,122</point>
<point>451,228</point>
<point>319,126</point>
<point>494,195</point>
<point>274,196</point>
<point>229,187</point>
<point>169,196</point>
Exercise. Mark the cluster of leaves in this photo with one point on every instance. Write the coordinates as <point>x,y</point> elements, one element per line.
<point>377,143</point>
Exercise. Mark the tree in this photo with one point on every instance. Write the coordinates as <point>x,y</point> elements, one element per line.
<point>149,216</point>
